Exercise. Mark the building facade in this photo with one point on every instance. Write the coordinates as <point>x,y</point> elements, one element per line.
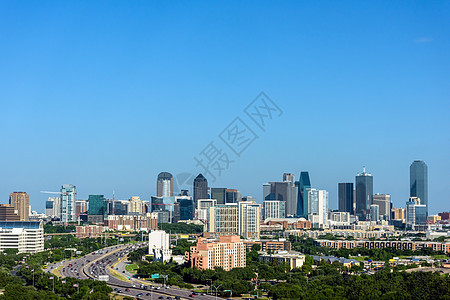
<point>418,181</point>
<point>164,185</point>
<point>384,203</point>
<point>364,194</point>
<point>282,191</point>
<point>8,213</point>
<point>25,236</point>
<point>274,209</point>
<point>227,253</point>
<point>159,245</point>
<point>68,197</point>
<point>249,219</point>
<point>318,207</point>
<point>345,194</point>
<point>304,185</point>
<point>200,189</point>
<point>21,203</point>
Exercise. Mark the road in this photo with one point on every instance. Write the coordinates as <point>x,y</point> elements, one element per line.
<point>92,266</point>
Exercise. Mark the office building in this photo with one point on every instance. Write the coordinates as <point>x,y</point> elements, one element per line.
<point>364,193</point>
<point>398,213</point>
<point>232,196</point>
<point>304,185</point>
<point>318,207</point>
<point>135,205</point>
<point>274,209</point>
<point>25,236</point>
<point>164,185</point>
<point>416,214</point>
<point>159,246</point>
<point>183,209</point>
<point>227,253</point>
<point>132,222</point>
<point>97,205</point>
<point>200,189</point>
<point>282,191</point>
<point>291,258</point>
<point>21,203</point>
<point>223,220</point>
<point>8,213</point>
<point>53,207</point>
<point>345,194</point>
<point>374,212</point>
<point>384,202</point>
<point>68,196</point>
<point>418,181</point>
<point>219,194</point>
<point>249,219</point>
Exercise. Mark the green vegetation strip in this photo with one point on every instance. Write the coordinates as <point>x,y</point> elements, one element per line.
<point>132,268</point>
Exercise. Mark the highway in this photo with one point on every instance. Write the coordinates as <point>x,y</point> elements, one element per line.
<point>92,266</point>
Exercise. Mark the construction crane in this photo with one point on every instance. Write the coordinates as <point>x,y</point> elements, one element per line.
<point>47,192</point>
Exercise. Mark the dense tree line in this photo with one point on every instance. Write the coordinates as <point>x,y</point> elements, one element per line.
<point>181,228</point>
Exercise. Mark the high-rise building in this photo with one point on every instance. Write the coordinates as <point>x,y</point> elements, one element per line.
<point>398,213</point>
<point>21,202</point>
<point>274,209</point>
<point>416,214</point>
<point>53,207</point>
<point>249,219</point>
<point>318,207</point>
<point>232,196</point>
<point>159,245</point>
<point>223,219</point>
<point>81,207</point>
<point>67,203</point>
<point>304,185</point>
<point>384,202</point>
<point>8,213</point>
<point>183,208</point>
<point>374,212</point>
<point>135,205</point>
<point>227,253</point>
<point>25,236</point>
<point>97,205</point>
<point>418,181</point>
<point>200,189</point>
<point>283,191</point>
<point>219,194</point>
<point>364,194</point>
<point>345,191</point>
<point>289,177</point>
<point>164,185</point>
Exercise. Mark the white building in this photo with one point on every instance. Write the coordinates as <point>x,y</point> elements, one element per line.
<point>292,258</point>
<point>53,207</point>
<point>25,236</point>
<point>274,209</point>
<point>374,212</point>
<point>159,245</point>
<point>67,203</point>
<point>249,219</point>
<point>317,207</point>
<point>416,214</point>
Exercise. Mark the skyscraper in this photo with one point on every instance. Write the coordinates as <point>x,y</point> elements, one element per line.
<point>345,191</point>
<point>283,191</point>
<point>364,194</point>
<point>304,185</point>
<point>21,202</point>
<point>219,194</point>
<point>384,202</point>
<point>317,207</point>
<point>200,189</point>
<point>164,185</point>
<point>97,205</point>
<point>418,181</point>
<point>67,203</point>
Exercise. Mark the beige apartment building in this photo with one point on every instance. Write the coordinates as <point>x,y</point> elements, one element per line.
<point>21,203</point>
<point>228,253</point>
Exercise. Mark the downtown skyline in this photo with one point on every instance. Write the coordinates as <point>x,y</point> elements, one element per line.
<point>109,102</point>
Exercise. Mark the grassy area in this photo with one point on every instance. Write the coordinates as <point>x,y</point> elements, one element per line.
<point>132,268</point>
<point>439,256</point>
<point>118,275</point>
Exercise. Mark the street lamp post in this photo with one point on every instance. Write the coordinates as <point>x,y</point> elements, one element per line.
<point>216,287</point>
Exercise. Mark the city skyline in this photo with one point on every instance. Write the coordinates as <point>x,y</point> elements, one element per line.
<point>97,103</point>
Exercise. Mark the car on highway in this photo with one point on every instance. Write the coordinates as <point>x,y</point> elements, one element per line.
<point>138,295</point>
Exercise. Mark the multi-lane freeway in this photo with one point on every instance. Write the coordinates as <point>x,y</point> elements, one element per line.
<point>104,261</point>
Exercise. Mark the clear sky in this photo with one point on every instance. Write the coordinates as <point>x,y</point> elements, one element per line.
<point>107,94</point>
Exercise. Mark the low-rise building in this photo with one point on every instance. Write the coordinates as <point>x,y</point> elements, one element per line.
<point>290,223</point>
<point>25,236</point>
<point>132,222</point>
<point>228,252</point>
<point>89,231</point>
<point>159,246</point>
<point>292,258</point>
<point>269,245</point>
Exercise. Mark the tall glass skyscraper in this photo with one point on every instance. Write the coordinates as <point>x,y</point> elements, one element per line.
<point>364,194</point>
<point>67,202</point>
<point>97,205</point>
<point>345,191</point>
<point>304,185</point>
<point>200,189</point>
<point>418,181</point>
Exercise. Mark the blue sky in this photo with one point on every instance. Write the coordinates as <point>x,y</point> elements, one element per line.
<point>107,94</point>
